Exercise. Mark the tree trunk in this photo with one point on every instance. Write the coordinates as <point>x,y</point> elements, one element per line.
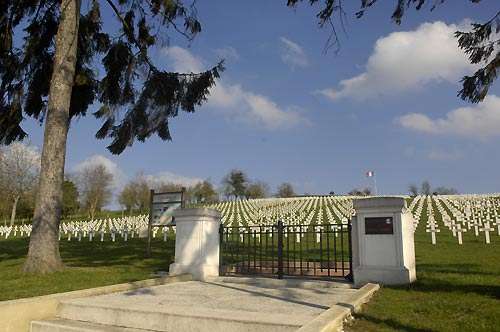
<point>92,210</point>
<point>14,209</point>
<point>43,254</point>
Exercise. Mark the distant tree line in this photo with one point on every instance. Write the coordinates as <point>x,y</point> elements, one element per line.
<point>90,189</point>
<point>237,185</point>
<point>426,189</point>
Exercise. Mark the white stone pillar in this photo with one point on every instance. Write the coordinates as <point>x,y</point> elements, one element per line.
<point>383,249</point>
<point>196,243</point>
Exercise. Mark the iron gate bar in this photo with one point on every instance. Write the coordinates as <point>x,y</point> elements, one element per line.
<point>307,249</point>
<point>328,248</point>
<point>335,234</point>
<point>342,247</point>
<point>321,247</point>
<point>280,249</point>
<point>260,248</point>
<point>300,248</point>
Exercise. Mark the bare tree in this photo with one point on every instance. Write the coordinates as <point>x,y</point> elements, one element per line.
<point>257,189</point>
<point>285,190</point>
<point>413,189</point>
<point>135,194</point>
<point>95,183</point>
<point>204,192</point>
<point>128,197</point>
<point>360,192</point>
<point>444,191</point>
<point>425,188</point>
<point>19,169</point>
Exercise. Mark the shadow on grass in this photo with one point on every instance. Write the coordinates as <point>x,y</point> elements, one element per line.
<point>462,269</point>
<point>429,284</point>
<point>391,323</point>
<point>97,254</point>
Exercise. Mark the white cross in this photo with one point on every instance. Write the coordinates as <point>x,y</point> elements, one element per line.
<point>487,229</point>
<point>458,229</point>
<point>476,228</point>
<point>497,223</point>
<point>433,230</point>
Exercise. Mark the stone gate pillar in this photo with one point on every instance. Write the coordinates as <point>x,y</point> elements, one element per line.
<point>196,243</point>
<point>383,248</point>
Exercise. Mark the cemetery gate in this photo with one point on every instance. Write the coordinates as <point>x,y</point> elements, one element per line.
<point>307,251</point>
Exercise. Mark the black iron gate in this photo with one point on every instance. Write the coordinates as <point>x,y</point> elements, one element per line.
<point>311,251</point>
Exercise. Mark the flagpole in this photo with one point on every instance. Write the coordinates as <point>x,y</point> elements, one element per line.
<point>375,183</point>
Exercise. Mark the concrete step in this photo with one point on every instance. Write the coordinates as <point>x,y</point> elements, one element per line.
<point>64,325</point>
<point>179,318</point>
<point>287,282</point>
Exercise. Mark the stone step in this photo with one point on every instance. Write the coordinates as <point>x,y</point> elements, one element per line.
<point>287,282</point>
<point>180,318</point>
<point>64,325</point>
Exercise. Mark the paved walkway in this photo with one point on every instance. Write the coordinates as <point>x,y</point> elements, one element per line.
<point>221,304</point>
<point>263,296</point>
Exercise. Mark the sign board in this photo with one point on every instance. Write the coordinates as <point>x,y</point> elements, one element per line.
<point>379,225</point>
<point>163,205</point>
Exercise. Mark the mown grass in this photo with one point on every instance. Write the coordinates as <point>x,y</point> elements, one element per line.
<point>458,289</point>
<point>87,265</point>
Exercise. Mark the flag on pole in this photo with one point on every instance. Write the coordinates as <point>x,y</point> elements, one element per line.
<point>370,174</point>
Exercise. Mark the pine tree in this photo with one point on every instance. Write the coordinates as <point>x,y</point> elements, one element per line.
<point>137,98</point>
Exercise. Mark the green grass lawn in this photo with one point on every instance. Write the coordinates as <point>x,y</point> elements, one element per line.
<point>88,265</point>
<point>458,289</point>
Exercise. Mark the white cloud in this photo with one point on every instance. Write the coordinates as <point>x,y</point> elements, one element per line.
<point>405,61</point>
<point>119,177</point>
<point>227,52</point>
<point>293,54</point>
<point>237,103</point>
<point>183,60</point>
<point>476,121</point>
<point>253,108</point>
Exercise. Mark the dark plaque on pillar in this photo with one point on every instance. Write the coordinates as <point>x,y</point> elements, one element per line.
<point>379,225</point>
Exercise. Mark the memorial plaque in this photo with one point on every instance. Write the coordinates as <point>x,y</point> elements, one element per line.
<point>379,225</point>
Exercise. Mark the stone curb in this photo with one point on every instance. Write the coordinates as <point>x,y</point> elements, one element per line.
<point>332,319</point>
<point>16,315</point>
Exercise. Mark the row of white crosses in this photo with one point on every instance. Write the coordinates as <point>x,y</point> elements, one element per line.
<point>477,214</point>
<point>292,211</point>
<point>298,213</point>
<point>102,229</point>
<point>113,229</point>
<point>16,230</point>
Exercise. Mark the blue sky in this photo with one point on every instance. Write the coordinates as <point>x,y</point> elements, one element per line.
<point>286,111</point>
